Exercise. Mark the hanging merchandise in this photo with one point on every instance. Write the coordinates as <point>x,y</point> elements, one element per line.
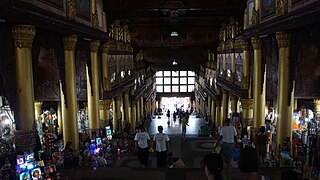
<point>83,121</point>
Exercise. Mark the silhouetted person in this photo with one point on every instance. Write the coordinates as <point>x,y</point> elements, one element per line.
<point>213,166</point>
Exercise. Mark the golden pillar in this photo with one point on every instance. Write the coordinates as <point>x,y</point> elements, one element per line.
<point>295,106</point>
<point>209,106</point>
<point>118,73</point>
<point>234,103</point>
<point>93,88</point>
<point>245,65</point>
<point>126,105</point>
<point>218,114</point>
<point>245,19</point>
<point>133,114</point>
<point>38,111</point>
<point>284,123</point>
<point>142,106</point>
<point>213,111</point>
<point>138,111</point>
<point>224,104</point>
<point>258,88</point>
<point>105,112</point>
<point>60,125</point>
<point>116,113</point>
<point>317,108</point>
<point>25,115</point>
<point>247,112</point>
<point>69,97</point>
<point>105,25</point>
<point>105,67</point>
<point>95,19</point>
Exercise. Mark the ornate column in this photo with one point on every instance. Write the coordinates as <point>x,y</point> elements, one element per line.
<point>247,112</point>
<point>142,106</point>
<point>126,104</point>
<point>259,86</point>
<point>25,137</point>
<point>95,20</point>
<point>317,108</point>
<point>71,9</point>
<point>117,113</point>
<point>218,114</point>
<point>93,88</point>
<point>118,74</point>
<point>69,97</point>
<point>104,112</point>
<point>234,102</point>
<point>138,111</point>
<point>209,106</point>
<point>105,67</point>
<point>245,65</point>
<point>133,114</point>
<point>60,125</point>
<point>224,104</point>
<point>285,100</point>
<point>213,111</point>
<point>38,111</point>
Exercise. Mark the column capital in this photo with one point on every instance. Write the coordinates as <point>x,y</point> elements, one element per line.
<point>37,104</point>
<point>23,35</point>
<point>281,7</point>
<point>94,46</point>
<point>244,45</point>
<point>256,43</point>
<point>283,39</point>
<point>105,104</point>
<point>247,103</point>
<point>117,98</point>
<point>233,97</point>
<point>105,47</point>
<point>69,42</point>
<point>224,91</point>
<point>71,9</point>
<point>244,82</point>
<point>95,20</point>
<point>127,91</point>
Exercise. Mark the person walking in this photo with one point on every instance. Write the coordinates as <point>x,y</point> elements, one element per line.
<point>261,142</point>
<point>142,141</point>
<point>162,143</point>
<point>184,125</point>
<point>228,135</point>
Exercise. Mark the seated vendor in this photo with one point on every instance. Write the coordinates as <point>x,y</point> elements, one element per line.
<point>204,130</point>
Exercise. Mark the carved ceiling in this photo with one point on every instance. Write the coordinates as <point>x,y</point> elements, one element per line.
<point>151,23</point>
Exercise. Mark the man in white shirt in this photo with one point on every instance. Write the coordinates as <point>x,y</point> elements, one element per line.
<point>162,142</point>
<point>142,140</point>
<point>228,135</point>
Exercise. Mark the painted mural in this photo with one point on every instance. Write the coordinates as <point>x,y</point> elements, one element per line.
<point>268,7</point>
<point>83,8</point>
<point>81,78</point>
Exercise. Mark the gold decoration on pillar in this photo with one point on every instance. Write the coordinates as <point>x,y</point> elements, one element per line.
<point>247,111</point>
<point>255,17</point>
<point>245,67</point>
<point>23,36</point>
<point>105,70</point>
<point>95,20</point>
<point>38,111</point>
<point>94,46</point>
<point>245,19</point>
<point>282,7</point>
<point>284,126</point>
<point>69,98</point>
<point>71,9</point>
<point>256,43</point>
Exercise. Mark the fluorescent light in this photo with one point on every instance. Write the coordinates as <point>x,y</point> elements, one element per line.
<point>174,63</point>
<point>174,34</point>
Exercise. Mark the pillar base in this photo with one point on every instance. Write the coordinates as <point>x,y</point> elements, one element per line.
<point>25,141</point>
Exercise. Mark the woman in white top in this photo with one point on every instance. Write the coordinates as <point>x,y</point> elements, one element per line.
<point>162,145</point>
<point>142,140</point>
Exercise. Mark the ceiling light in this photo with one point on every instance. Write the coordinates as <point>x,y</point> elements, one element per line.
<point>174,34</point>
<point>174,63</point>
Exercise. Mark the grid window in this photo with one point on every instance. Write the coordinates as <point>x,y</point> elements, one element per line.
<point>183,88</point>
<point>159,80</point>
<point>167,88</point>
<point>175,80</point>
<point>183,80</point>
<point>167,80</point>
<point>183,73</point>
<point>191,73</point>
<point>159,88</point>
<point>175,73</point>
<point>190,80</point>
<point>190,88</point>
<point>175,88</point>
<point>166,73</point>
<point>159,73</point>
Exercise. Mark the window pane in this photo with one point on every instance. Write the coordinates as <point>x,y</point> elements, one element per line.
<point>175,73</point>
<point>167,88</point>
<point>159,73</point>
<point>159,80</point>
<point>159,88</point>
<point>183,80</point>
<point>190,80</point>
<point>190,88</point>
<point>183,88</point>
<point>175,88</point>
<point>183,73</point>
<point>167,80</point>
<point>122,74</point>
<point>166,73</point>
<point>191,73</point>
<point>175,80</point>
